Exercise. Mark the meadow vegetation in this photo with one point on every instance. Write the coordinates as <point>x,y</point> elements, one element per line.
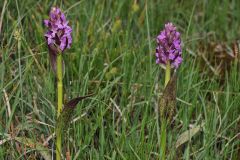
<point>113,56</point>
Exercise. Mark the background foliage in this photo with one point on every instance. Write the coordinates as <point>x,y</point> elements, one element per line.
<point>113,56</point>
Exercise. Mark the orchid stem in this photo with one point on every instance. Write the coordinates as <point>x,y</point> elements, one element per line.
<point>163,138</point>
<point>59,104</point>
<point>167,73</point>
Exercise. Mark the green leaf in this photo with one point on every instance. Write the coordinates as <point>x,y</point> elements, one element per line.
<point>168,99</point>
<point>66,115</point>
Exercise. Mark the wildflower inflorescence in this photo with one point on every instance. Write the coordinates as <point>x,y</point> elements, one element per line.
<point>59,33</point>
<point>169,46</point>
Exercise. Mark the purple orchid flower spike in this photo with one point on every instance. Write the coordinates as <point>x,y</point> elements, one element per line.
<point>58,35</point>
<point>169,47</point>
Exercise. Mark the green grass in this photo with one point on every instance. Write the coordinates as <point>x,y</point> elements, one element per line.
<point>112,55</point>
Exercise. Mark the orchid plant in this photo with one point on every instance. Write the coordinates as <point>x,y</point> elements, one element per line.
<point>169,55</point>
<point>58,39</point>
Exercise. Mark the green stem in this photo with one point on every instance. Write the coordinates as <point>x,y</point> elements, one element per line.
<point>163,139</point>
<point>59,104</point>
<point>167,73</point>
